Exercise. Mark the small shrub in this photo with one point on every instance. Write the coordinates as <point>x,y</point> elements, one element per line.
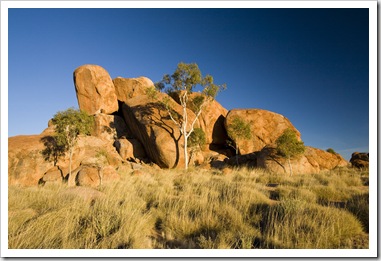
<point>151,92</point>
<point>330,150</point>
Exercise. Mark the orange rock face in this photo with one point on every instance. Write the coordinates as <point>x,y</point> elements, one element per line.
<point>265,127</point>
<point>109,127</point>
<point>127,88</point>
<point>211,119</point>
<point>95,90</point>
<point>312,161</point>
<point>27,165</point>
<point>53,175</point>
<point>88,176</point>
<point>324,159</point>
<point>149,121</point>
<point>130,149</point>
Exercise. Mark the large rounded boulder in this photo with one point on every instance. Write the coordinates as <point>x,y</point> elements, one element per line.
<point>109,127</point>
<point>360,160</point>
<point>127,88</point>
<point>130,149</point>
<point>211,119</point>
<point>265,128</point>
<point>95,90</point>
<point>26,162</point>
<point>150,122</point>
<point>312,161</point>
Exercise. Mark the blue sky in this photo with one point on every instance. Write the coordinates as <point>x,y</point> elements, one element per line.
<point>310,65</point>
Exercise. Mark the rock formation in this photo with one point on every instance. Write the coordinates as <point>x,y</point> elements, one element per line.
<point>127,88</point>
<point>359,160</point>
<point>151,124</point>
<point>95,90</point>
<point>265,126</point>
<point>109,127</point>
<point>325,160</point>
<point>133,126</point>
<point>130,149</point>
<point>211,120</point>
<point>312,161</point>
<point>53,175</point>
<point>27,165</point>
<point>88,176</point>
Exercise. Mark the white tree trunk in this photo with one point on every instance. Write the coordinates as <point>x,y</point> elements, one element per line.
<point>186,149</point>
<point>183,102</point>
<point>71,180</point>
<point>236,153</point>
<point>289,165</point>
<point>184,124</point>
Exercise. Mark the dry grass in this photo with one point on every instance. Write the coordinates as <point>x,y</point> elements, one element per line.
<point>196,209</point>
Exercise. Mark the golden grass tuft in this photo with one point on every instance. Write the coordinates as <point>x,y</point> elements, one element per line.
<point>242,208</point>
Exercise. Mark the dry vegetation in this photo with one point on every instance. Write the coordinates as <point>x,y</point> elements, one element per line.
<point>196,209</point>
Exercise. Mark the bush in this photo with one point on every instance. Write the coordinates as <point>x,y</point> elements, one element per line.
<point>330,150</point>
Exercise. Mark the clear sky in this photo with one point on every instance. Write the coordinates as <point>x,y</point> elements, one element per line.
<point>310,65</point>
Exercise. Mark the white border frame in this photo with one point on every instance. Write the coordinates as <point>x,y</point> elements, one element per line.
<point>373,201</point>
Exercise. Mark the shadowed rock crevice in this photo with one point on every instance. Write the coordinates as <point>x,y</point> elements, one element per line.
<point>152,126</point>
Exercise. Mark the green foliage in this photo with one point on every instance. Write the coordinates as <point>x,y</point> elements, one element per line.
<point>288,144</point>
<point>197,138</point>
<point>159,86</point>
<point>211,89</point>
<point>151,92</point>
<point>70,124</point>
<point>239,130</point>
<point>330,150</point>
<point>168,104</point>
<point>183,82</point>
<point>196,103</point>
<point>186,77</point>
<point>196,141</point>
<point>53,150</point>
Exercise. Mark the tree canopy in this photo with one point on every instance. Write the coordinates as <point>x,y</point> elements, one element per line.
<point>289,146</point>
<point>239,130</point>
<point>69,124</point>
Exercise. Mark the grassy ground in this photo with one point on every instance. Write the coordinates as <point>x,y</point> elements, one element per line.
<point>196,209</point>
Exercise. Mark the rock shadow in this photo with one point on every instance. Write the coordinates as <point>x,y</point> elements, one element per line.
<point>154,114</point>
<point>53,150</point>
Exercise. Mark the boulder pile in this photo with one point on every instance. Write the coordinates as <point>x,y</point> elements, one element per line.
<point>360,160</point>
<point>132,127</point>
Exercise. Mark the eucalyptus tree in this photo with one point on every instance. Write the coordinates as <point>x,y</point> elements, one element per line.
<point>289,146</point>
<point>184,81</point>
<point>69,124</point>
<point>238,130</point>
